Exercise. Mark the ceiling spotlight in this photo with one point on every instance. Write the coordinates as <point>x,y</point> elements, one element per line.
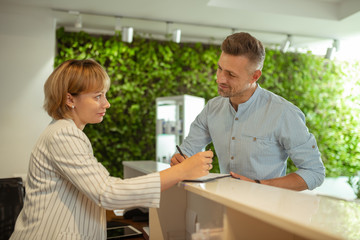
<point>285,46</point>
<point>78,21</point>
<point>176,35</point>
<point>117,23</point>
<point>127,34</point>
<point>330,53</point>
<point>168,33</point>
<point>336,44</point>
<point>331,50</point>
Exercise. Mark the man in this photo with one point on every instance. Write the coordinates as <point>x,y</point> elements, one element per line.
<point>254,131</point>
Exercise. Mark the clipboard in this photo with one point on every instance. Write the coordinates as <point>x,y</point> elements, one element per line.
<point>209,177</point>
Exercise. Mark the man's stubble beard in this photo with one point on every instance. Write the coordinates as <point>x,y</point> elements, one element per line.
<point>226,94</point>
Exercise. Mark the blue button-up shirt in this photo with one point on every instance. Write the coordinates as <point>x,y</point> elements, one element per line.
<point>257,139</point>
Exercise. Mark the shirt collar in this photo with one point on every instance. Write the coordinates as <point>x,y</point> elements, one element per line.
<point>251,99</point>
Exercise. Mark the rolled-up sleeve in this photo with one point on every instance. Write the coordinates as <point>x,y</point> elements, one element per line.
<point>302,148</point>
<point>199,135</point>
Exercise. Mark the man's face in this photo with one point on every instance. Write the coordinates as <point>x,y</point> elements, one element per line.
<point>235,76</point>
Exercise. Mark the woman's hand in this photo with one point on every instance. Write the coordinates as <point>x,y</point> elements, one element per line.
<point>190,168</point>
<point>198,165</point>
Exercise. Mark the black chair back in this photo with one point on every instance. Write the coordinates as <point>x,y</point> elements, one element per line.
<point>12,193</point>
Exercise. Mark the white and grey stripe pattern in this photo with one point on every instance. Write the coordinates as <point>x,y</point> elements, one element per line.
<point>68,190</point>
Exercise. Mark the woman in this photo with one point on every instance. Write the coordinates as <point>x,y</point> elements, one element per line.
<point>67,189</point>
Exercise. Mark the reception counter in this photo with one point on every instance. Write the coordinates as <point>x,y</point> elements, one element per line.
<point>245,210</point>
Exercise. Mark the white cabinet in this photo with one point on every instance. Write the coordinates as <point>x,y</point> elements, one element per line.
<point>174,116</point>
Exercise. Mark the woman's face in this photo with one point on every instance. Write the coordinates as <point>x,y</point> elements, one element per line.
<point>89,108</point>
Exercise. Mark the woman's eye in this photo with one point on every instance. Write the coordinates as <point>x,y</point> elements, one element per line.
<point>98,97</point>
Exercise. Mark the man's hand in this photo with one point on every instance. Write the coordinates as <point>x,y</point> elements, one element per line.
<point>176,159</point>
<point>291,181</point>
<point>238,176</point>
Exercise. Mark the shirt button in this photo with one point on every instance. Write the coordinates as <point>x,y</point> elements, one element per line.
<point>236,119</point>
<point>232,158</point>
<point>254,139</point>
<point>233,138</point>
<point>313,146</point>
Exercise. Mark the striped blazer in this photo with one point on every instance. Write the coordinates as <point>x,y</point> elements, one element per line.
<point>68,190</point>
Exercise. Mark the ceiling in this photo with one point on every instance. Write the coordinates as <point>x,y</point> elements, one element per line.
<point>309,22</point>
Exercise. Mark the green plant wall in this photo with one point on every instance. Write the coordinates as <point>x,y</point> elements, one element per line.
<point>146,69</point>
<point>318,87</point>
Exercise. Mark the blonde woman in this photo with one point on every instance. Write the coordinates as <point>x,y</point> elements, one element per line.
<point>67,189</point>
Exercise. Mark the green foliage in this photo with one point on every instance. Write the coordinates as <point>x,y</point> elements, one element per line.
<point>318,87</point>
<point>140,72</point>
<point>146,69</point>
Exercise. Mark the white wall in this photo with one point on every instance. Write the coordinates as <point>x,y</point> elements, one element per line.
<point>27,51</point>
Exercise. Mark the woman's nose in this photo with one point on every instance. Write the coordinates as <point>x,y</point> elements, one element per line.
<point>106,103</point>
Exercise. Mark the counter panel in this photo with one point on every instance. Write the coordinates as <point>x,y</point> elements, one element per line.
<point>248,210</point>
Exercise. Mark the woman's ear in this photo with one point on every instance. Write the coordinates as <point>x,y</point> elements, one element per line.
<point>69,100</point>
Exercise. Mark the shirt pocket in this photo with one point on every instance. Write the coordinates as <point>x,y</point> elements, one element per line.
<point>254,145</point>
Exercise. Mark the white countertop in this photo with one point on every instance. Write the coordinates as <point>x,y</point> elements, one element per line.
<point>307,214</point>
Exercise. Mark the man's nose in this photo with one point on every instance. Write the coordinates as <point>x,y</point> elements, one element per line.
<point>220,78</point>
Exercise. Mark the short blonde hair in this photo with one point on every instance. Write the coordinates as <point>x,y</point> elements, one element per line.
<point>74,77</point>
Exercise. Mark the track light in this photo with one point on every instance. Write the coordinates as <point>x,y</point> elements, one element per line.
<point>168,27</point>
<point>285,46</point>
<point>176,35</point>
<point>78,21</point>
<point>118,24</point>
<point>127,34</point>
<point>330,53</point>
<point>336,44</point>
<point>331,50</point>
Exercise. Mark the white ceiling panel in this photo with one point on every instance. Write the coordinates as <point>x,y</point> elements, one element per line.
<point>309,22</point>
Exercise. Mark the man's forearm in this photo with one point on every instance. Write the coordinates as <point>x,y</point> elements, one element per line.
<point>291,181</point>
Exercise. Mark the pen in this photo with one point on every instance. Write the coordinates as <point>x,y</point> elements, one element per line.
<point>181,153</point>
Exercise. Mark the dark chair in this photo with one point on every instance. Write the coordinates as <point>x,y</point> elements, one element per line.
<point>12,193</point>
